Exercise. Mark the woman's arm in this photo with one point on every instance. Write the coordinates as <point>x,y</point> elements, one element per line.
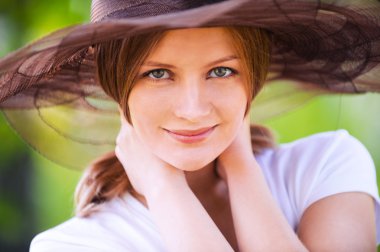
<point>181,219</point>
<point>341,222</point>
<point>259,223</point>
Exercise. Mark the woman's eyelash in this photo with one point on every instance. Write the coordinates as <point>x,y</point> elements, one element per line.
<point>221,72</point>
<point>163,74</point>
<point>157,74</point>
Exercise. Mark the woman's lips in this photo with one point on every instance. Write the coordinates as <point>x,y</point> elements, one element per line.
<point>191,136</point>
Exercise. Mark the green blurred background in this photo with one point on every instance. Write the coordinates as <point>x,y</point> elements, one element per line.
<point>36,194</point>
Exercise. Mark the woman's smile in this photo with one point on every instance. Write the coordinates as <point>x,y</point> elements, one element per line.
<point>191,136</point>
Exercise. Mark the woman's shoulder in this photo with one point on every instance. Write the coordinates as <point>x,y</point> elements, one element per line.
<point>72,235</point>
<point>121,224</point>
<point>330,140</point>
<point>304,171</point>
<point>315,161</point>
<point>317,149</point>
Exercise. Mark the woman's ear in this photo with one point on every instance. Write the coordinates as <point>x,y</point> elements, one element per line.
<point>121,113</point>
<point>248,108</point>
<point>123,120</point>
<point>247,123</point>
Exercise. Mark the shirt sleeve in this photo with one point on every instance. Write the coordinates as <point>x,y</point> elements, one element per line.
<point>50,243</point>
<point>339,163</point>
<point>122,224</point>
<point>77,236</point>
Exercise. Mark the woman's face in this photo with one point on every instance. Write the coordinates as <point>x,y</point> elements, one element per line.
<point>189,98</point>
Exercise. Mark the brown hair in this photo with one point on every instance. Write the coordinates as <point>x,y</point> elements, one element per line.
<point>105,178</point>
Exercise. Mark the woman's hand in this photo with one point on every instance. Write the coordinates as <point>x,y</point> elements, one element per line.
<point>259,223</point>
<point>145,170</point>
<point>178,214</point>
<point>240,150</point>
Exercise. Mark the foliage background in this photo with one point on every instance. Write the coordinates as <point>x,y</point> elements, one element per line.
<point>36,194</point>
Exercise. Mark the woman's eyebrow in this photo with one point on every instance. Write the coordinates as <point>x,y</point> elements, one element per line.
<point>158,64</point>
<point>224,59</point>
<point>164,65</point>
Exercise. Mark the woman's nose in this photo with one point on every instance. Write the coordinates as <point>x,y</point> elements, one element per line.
<point>192,102</point>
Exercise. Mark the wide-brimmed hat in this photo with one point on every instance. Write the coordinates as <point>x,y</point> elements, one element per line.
<point>50,93</point>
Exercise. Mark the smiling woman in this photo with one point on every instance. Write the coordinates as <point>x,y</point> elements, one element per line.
<point>189,172</point>
<point>199,114</point>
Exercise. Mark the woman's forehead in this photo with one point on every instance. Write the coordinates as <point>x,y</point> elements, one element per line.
<point>210,43</point>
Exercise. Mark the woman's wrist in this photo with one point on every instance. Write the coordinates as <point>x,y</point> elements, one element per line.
<point>242,166</point>
<point>166,185</point>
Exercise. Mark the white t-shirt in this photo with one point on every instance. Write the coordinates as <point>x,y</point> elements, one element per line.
<point>297,173</point>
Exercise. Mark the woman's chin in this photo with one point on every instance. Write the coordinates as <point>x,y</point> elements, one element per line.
<point>190,165</point>
<point>191,159</point>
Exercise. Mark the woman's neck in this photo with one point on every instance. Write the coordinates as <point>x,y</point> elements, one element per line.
<point>202,180</point>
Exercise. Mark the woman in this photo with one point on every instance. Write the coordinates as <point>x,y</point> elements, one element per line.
<point>184,152</point>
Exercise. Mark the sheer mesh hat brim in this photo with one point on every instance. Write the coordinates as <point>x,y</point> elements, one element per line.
<point>50,94</point>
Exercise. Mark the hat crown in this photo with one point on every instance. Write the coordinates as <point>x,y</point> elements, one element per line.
<point>117,9</point>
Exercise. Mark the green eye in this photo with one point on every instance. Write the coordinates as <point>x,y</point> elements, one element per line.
<point>158,74</point>
<point>219,72</point>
